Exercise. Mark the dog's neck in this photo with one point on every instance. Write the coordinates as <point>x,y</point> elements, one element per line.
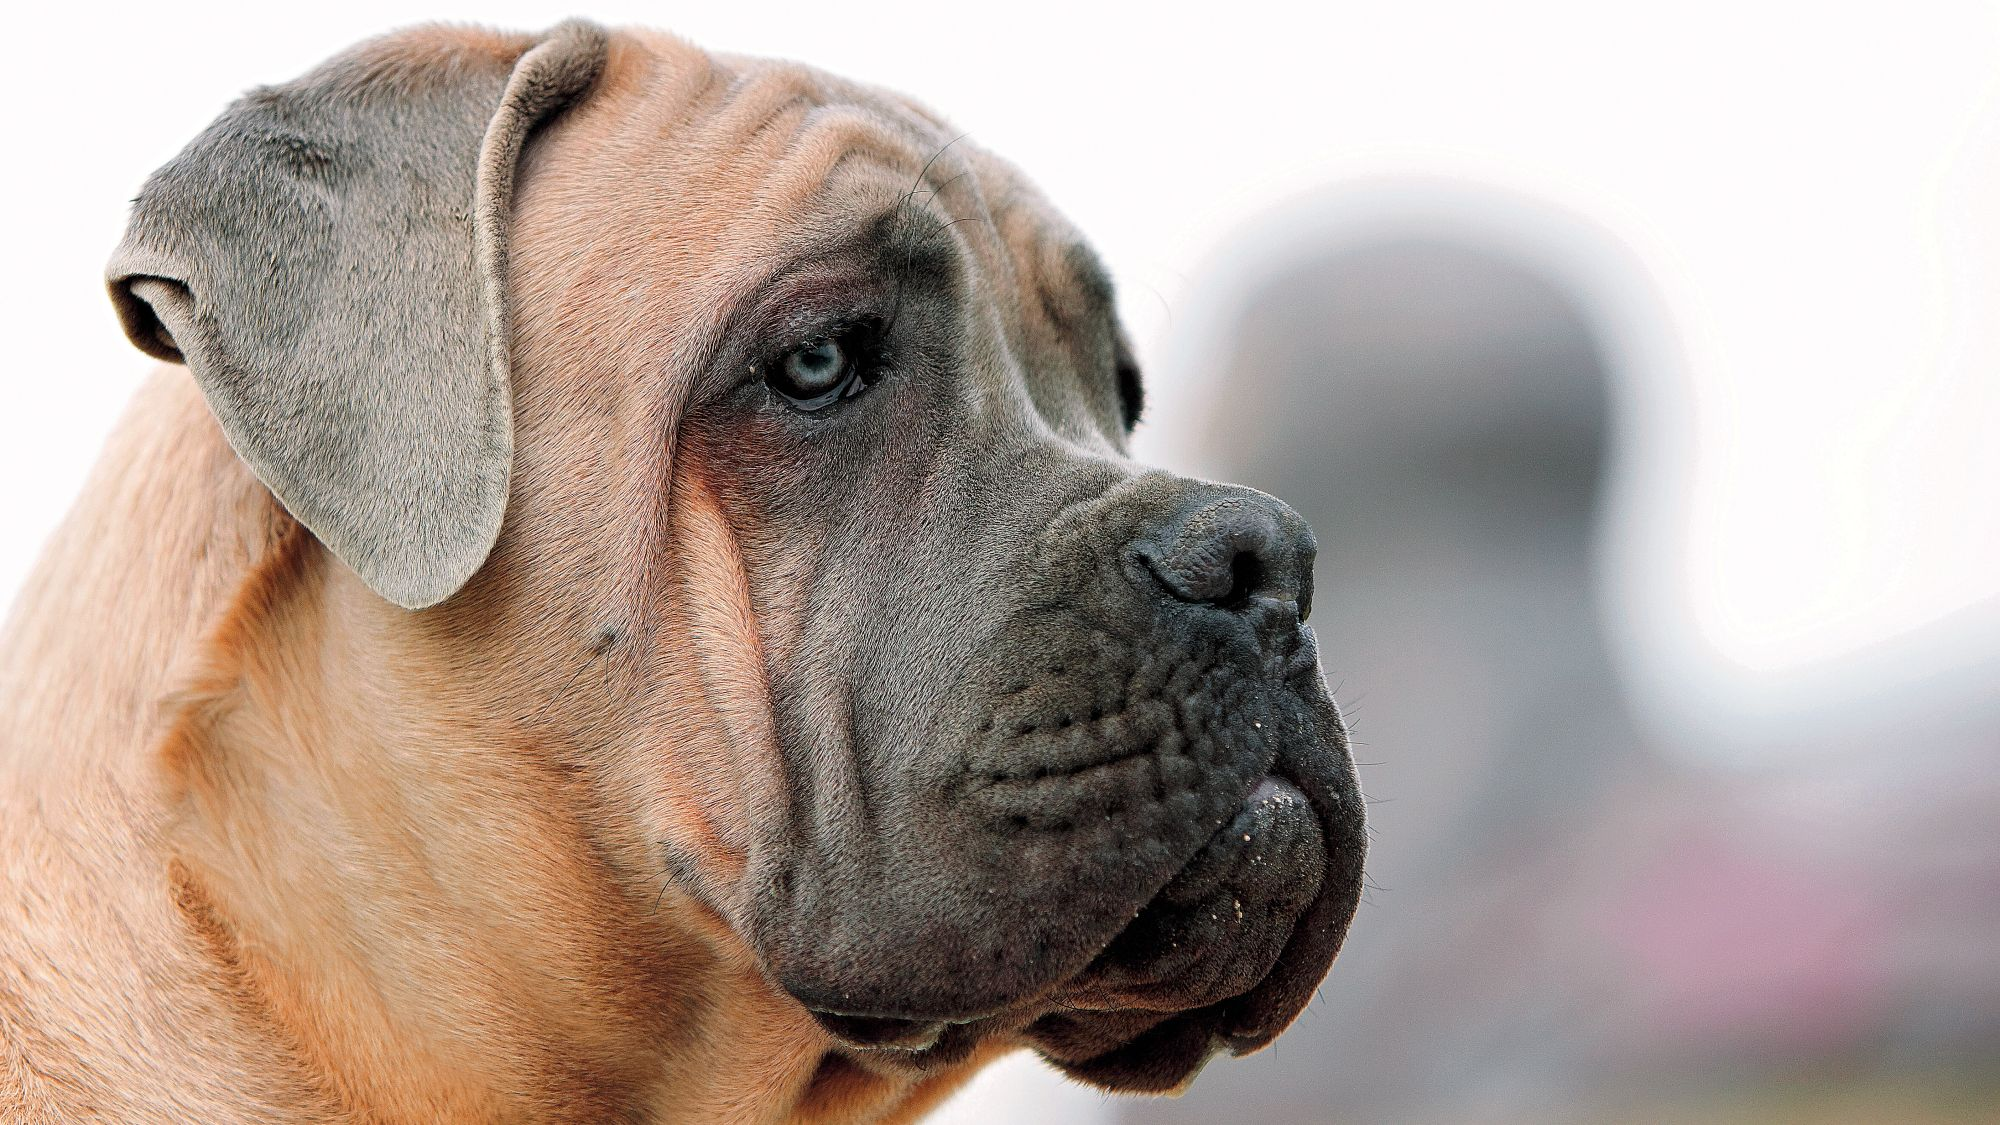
<point>259,710</point>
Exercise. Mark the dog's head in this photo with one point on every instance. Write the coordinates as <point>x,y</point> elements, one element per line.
<point>824,567</point>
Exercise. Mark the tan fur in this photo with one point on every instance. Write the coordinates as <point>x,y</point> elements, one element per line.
<point>277,850</point>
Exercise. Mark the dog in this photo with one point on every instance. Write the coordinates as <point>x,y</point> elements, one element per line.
<point>836,707</point>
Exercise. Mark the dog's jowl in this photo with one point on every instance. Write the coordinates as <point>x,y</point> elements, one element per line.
<point>628,601</point>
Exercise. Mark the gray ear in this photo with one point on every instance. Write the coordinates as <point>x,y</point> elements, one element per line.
<point>328,259</point>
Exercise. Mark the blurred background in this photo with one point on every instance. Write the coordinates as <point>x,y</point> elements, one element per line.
<point>1638,368</point>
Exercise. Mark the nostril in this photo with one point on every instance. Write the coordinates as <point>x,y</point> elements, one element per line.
<point>1246,579</point>
<point>1230,553</point>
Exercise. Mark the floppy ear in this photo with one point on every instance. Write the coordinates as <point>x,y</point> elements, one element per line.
<point>328,259</point>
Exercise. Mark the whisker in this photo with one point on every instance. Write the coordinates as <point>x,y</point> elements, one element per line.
<point>942,227</point>
<point>902,214</point>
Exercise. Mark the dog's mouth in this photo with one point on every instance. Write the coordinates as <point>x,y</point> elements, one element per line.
<point>1229,952</point>
<point>1212,933</point>
<point>1141,853</point>
<point>1221,958</point>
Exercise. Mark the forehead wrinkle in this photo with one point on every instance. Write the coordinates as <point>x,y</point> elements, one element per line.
<point>771,135</point>
<point>828,138</point>
<point>758,95</point>
<point>919,158</point>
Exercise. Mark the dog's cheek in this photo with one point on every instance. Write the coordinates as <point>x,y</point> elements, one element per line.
<point>712,753</point>
<point>752,456</point>
<point>734,588</point>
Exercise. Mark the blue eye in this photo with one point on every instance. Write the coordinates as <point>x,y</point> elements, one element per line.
<point>820,372</point>
<point>816,369</point>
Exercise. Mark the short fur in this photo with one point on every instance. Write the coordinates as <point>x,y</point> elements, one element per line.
<point>769,766</point>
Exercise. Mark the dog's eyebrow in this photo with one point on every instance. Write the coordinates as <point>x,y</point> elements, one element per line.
<point>905,240</point>
<point>890,250</point>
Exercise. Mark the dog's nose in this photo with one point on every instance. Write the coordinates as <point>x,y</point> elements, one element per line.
<point>1231,548</point>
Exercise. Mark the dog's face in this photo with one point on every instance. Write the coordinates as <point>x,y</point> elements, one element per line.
<point>825,569</point>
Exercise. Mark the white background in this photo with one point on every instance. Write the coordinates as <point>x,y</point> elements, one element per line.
<point>1809,192</point>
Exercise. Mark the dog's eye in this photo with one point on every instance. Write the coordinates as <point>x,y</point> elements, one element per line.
<point>821,372</point>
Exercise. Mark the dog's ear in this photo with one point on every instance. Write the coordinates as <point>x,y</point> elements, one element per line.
<point>328,259</point>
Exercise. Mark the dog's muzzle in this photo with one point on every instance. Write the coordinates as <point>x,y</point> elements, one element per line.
<point>1154,825</point>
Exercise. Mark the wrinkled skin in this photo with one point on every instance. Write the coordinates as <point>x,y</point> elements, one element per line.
<point>1055,753</point>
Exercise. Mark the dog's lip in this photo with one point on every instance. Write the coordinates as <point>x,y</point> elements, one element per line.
<point>882,1033</point>
<point>1274,786</point>
<point>1164,1053</point>
<point>1250,1024</point>
<point>1271,789</point>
